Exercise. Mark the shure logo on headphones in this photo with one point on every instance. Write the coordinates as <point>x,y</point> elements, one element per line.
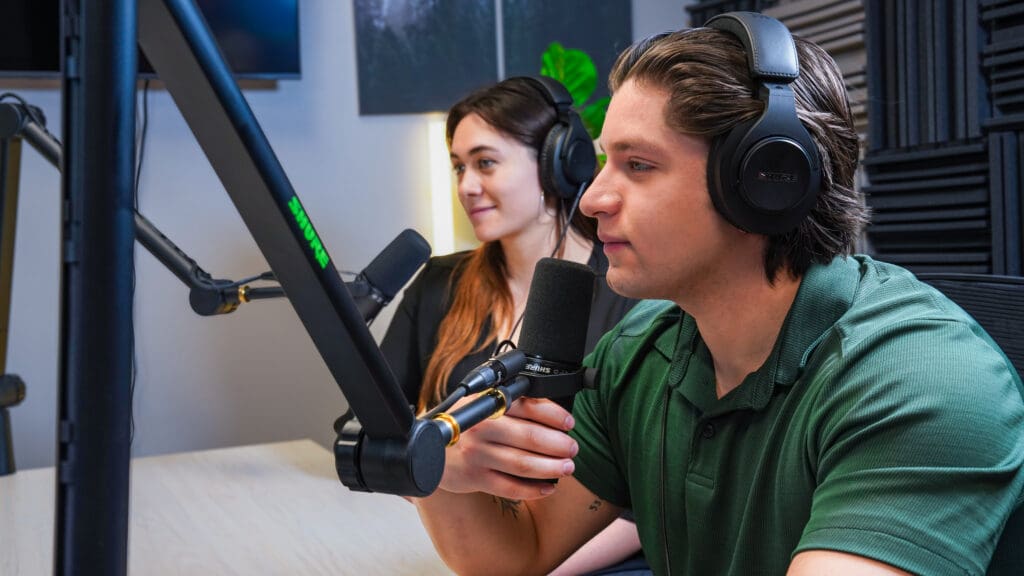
<point>777,177</point>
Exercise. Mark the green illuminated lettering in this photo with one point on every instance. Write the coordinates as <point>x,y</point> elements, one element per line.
<point>319,253</point>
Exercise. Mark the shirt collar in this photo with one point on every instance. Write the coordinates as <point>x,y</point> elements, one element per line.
<point>825,294</point>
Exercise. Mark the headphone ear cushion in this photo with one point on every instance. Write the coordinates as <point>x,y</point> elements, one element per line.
<point>581,158</point>
<point>552,175</point>
<point>721,174</point>
<point>567,159</point>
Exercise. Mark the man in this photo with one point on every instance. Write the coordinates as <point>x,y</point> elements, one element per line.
<point>785,407</point>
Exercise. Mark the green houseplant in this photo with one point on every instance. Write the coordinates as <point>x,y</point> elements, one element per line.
<point>576,71</point>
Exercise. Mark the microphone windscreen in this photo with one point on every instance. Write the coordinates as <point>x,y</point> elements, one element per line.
<point>558,311</point>
<point>396,264</point>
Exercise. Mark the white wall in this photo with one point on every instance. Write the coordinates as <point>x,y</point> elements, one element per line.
<point>254,375</point>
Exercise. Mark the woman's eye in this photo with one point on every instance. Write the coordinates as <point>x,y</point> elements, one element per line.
<point>458,169</point>
<point>485,163</point>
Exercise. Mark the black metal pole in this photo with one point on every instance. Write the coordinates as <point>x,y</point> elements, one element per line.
<point>10,163</point>
<point>174,37</point>
<point>99,51</point>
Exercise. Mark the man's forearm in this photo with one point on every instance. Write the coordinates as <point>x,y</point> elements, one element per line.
<point>478,533</point>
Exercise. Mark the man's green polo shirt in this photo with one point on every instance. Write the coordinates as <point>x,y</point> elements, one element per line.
<point>885,423</point>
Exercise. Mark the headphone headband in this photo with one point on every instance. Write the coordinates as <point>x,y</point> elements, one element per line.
<point>567,159</point>
<point>771,52</point>
<point>553,90</point>
<point>764,175</point>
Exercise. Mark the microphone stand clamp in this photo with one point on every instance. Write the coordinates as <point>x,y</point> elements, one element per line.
<point>410,466</point>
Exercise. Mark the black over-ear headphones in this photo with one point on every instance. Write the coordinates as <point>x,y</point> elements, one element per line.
<point>764,174</point>
<point>567,158</point>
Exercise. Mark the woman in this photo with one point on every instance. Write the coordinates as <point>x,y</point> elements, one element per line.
<point>461,306</point>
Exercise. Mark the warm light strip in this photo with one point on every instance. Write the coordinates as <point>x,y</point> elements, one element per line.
<point>440,188</point>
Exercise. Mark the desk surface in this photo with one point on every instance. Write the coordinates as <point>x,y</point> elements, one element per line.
<point>265,509</point>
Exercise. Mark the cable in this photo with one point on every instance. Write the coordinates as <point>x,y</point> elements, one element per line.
<point>141,146</point>
<point>262,276</point>
<point>447,403</point>
<point>24,106</point>
<point>568,218</point>
<point>142,140</point>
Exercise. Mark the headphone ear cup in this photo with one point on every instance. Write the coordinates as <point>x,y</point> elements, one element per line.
<point>580,162</point>
<point>567,159</point>
<point>552,178</point>
<point>777,179</point>
<point>761,182</point>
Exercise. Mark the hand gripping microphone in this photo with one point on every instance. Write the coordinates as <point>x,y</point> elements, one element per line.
<point>553,341</point>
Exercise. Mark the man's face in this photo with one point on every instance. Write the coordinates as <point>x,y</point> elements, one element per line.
<point>661,233</point>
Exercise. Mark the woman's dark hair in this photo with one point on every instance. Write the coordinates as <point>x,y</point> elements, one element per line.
<point>706,75</point>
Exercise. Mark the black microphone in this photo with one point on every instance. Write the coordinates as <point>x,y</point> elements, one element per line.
<point>12,390</point>
<point>553,342</point>
<point>378,283</point>
<point>554,336</point>
<point>388,272</point>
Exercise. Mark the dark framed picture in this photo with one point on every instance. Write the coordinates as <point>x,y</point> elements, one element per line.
<point>418,56</point>
<point>601,29</point>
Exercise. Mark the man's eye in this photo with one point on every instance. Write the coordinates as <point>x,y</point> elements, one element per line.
<point>637,166</point>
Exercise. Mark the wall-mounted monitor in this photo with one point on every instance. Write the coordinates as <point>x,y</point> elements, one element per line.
<point>259,38</point>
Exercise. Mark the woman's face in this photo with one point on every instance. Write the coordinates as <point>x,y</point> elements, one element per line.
<point>499,186</point>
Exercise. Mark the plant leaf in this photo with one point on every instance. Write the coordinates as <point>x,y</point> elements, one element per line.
<point>593,116</point>
<point>573,68</point>
<point>551,61</point>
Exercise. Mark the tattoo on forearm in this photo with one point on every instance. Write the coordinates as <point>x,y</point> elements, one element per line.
<point>508,506</point>
<point>594,505</point>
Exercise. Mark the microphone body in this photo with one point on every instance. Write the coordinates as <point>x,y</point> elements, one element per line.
<point>385,275</point>
<point>554,335</point>
<point>378,283</point>
<point>12,390</point>
<point>553,343</point>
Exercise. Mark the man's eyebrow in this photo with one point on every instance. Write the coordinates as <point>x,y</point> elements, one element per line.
<point>633,145</point>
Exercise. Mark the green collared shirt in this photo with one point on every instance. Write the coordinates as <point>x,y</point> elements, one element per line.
<point>885,423</point>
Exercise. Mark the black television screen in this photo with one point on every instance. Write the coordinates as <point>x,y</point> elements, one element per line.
<point>259,38</point>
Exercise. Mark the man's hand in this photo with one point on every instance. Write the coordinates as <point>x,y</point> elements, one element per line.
<point>490,514</point>
<point>516,456</point>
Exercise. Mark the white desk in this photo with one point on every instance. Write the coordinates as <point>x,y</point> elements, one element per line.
<point>253,510</point>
